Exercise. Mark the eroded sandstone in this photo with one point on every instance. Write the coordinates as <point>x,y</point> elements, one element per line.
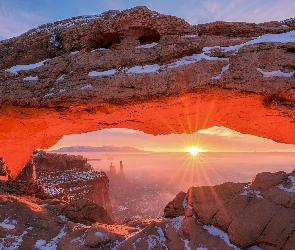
<point>147,71</point>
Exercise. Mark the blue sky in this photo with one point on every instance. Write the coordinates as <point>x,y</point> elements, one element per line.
<point>18,16</point>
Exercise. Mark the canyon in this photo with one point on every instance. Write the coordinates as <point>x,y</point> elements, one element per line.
<point>156,73</point>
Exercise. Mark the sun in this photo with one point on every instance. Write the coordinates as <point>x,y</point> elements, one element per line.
<point>194,150</point>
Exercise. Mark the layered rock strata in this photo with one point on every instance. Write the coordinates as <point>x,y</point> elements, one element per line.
<point>71,177</point>
<point>147,71</point>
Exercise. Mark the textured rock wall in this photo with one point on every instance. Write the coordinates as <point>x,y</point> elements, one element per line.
<point>71,177</point>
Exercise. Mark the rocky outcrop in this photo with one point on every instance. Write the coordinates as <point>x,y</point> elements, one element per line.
<point>258,213</point>
<point>59,162</point>
<point>143,70</point>
<point>71,177</point>
<point>255,215</point>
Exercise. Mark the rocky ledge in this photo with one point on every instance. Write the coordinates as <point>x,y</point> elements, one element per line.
<point>255,215</point>
<point>147,71</point>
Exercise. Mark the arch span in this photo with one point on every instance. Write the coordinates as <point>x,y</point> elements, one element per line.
<point>25,129</point>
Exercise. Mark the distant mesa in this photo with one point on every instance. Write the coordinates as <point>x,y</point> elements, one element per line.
<point>105,148</point>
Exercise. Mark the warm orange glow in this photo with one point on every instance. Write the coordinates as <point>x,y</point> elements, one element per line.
<point>194,150</point>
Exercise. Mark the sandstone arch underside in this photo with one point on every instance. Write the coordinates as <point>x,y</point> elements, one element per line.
<point>142,70</point>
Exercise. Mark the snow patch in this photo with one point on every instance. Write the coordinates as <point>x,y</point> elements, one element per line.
<point>222,235</point>
<point>186,242</point>
<point>88,86</point>
<point>152,68</point>
<point>193,59</point>
<point>51,245</point>
<point>7,224</point>
<point>146,46</point>
<point>74,52</point>
<point>102,73</point>
<point>122,208</point>
<point>153,239</point>
<point>17,68</point>
<point>99,49</point>
<point>177,222</point>
<point>292,189</point>
<point>47,95</point>
<point>189,36</point>
<point>275,73</point>
<point>61,78</point>
<point>267,38</point>
<point>12,242</point>
<point>61,90</point>
<point>31,78</point>
<point>252,192</point>
<point>225,68</point>
<point>63,218</point>
<point>202,248</point>
<point>184,203</point>
<point>255,247</point>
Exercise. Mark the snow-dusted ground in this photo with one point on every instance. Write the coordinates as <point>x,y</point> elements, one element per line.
<point>52,181</point>
<point>102,73</point>
<point>292,189</point>
<point>31,78</point>
<point>268,74</point>
<point>248,191</point>
<point>88,86</point>
<point>147,46</point>
<point>17,68</point>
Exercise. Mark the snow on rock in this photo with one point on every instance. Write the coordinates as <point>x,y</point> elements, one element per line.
<point>255,247</point>
<point>269,74</point>
<point>184,203</point>
<point>47,95</point>
<point>186,246</point>
<point>152,68</point>
<point>222,235</point>
<point>278,38</point>
<point>153,239</point>
<point>225,68</point>
<point>102,73</point>
<point>61,90</point>
<point>292,189</point>
<point>61,78</point>
<point>175,222</point>
<point>7,224</point>
<point>146,46</point>
<point>88,86</point>
<point>252,192</point>
<point>63,218</point>
<point>99,49</point>
<point>12,242</point>
<point>17,68</point>
<point>193,59</point>
<point>74,52</point>
<point>31,78</point>
<point>189,36</point>
<point>51,245</point>
<point>202,248</point>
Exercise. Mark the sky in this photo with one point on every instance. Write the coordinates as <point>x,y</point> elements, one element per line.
<point>216,139</point>
<point>18,16</point>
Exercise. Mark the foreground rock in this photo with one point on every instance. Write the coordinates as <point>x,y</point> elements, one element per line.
<point>67,177</point>
<point>30,223</point>
<point>256,215</point>
<point>143,70</point>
